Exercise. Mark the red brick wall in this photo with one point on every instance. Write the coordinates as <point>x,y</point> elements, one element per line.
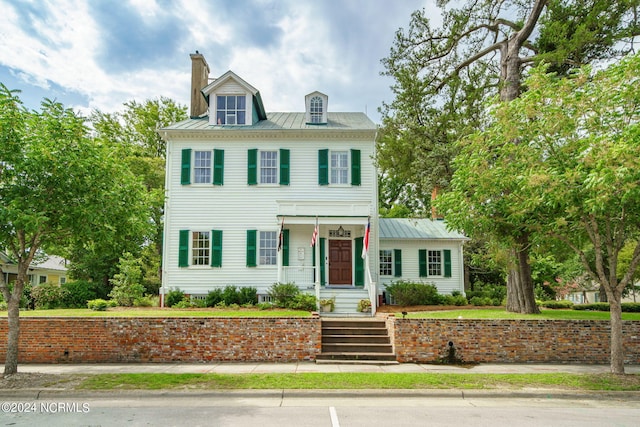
<point>512,341</point>
<point>119,339</point>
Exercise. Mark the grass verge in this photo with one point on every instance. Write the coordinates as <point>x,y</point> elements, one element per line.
<point>332,381</point>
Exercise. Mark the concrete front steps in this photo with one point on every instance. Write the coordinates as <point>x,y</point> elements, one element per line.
<point>349,340</point>
<point>346,300</point>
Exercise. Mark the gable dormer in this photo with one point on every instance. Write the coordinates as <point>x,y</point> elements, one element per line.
<point>316,108</point>
<point>233,102</point>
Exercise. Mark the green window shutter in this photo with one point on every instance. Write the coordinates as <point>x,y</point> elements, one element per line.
<point>447,263</point>
<point>285,247</point>
<point>359,261</point>
<point>355,167</point>
<point>323,167</point>
<point>422,262</point>
<point>183,249</point>
<point>397,262</point>
<point>323,273</point>
<point>284,166</point>
<point>218,167</point>
<point>185,174</point>
<point>216,248</point>
<point>252,167</point>
<point>251,248</point>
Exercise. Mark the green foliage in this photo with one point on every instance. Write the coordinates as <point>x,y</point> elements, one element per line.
<point>302,301</point>
<point>630,307</point>
<point>97,304</point>
<point>146,301</point>
<point>214,297</point>
<point>458,300</point>
<point>173,297</point>
<point>127,286</point>
<point>78,292</point>
<point>230,295</point>
<point>411,293</point>
<point>487,294</point>
<point>283,293</point>
<point>560,304</point>
<point>364,305</point>
<point>596,306</point>
<point>48,296</point>
<point>247,296</point>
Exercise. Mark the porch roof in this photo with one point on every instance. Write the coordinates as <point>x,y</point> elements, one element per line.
<point>416,229</point>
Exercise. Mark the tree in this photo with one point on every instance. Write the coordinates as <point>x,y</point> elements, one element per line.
<point>56,185</point>
<point>443,76</point>
<point>133,135</point>
<point>573,175</point>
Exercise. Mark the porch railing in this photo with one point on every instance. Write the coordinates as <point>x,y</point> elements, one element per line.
<point>300,275</point>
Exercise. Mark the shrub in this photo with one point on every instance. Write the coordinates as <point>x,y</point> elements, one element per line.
<point>480,301</point>
<point>495,294</point>
<point>410,293</point>
<point>213,297</point>
<point>598,306</point>
<point>173,297</point>
<point>248,296</point>
<point>230,295</point>
<point>303,301</point>
<point>561,304</point>
<point>143,302</point>
<point>631,307</point>
<point>183,303</point>
<point>127,283</point>
<point>98,304</point>
<point>283,293</point>
<point>458,299</point>
<point>78,292</point>
<point>48,296</point>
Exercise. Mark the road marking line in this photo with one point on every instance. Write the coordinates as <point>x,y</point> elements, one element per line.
<point>334,417</point>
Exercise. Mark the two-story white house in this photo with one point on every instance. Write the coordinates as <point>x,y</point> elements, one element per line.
<point>254,199</point>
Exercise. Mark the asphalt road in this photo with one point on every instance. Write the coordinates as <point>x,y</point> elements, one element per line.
<point>318,408</point>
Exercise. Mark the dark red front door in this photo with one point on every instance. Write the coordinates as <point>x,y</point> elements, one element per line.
<point>340,262</point>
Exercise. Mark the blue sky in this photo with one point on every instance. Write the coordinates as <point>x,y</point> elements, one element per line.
<point>100,54</point>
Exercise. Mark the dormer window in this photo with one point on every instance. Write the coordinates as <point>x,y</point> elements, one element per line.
<point>316,108</point>
<point>231,109</point>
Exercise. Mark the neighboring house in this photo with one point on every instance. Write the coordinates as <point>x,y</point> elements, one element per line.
<point>247,192</point>
<point>51,269</point>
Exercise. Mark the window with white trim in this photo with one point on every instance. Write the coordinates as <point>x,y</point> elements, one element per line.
<point>339,167</point>
<point>202,167</point>
<point>200,247</point>
<point>231,109</point>
<point>268,247</point>
<point>386,262</point>
<point>268,167</point>
<point>315,109</point>
<point>434,263</point>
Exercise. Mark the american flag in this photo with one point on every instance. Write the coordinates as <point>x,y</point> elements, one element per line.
<point>365,246</point>
<point>314,237</point>
<point>281,235</point>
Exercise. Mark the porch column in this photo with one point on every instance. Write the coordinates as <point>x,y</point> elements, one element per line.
<point>316,255</point>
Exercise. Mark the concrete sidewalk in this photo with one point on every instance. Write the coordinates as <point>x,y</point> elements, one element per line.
<point>305,367</point>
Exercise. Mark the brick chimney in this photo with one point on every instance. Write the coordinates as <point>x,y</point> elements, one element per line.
<point>199,79</point>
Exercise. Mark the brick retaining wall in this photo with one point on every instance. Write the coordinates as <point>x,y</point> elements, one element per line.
<point>120,339</point>
<point>512,341</point>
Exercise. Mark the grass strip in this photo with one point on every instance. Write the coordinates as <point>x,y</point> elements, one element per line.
<point>332,381</point>
<point>501,313</point>
<point>157,312</point>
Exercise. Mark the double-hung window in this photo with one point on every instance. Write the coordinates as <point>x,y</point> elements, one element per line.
<point>315,109</point>
<point>339,167</point>
<point>268,247</point>
<point>268,167</point>
<point>231,109</point>
<point>200,248</point>
<point>202,167</point>
<point>386,262</point>
<point>434,263</point>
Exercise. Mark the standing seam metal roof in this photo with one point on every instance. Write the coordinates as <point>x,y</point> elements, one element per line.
<point>284,121</point>
<point>417,229</point>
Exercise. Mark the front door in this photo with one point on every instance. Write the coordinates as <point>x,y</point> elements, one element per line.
<point>340,262</point>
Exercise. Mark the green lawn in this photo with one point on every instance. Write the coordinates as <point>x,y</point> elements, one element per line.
<point>332,381</point>
<point>501,313</point>
<point>160,312</point>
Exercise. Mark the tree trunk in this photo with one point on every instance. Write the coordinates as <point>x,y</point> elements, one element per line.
<point>13,316</point>
<point>617,349</point>
<point>520,295</point>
